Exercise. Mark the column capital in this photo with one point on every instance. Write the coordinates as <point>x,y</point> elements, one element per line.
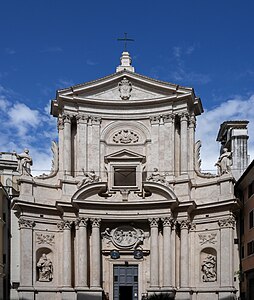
<point>64,225</point>
<point>25,223</point>
<point>167,221</point>
<point>192,226</point>
<point>153,222</point>
<point>169,118</point>
<point>66,118</point>
<point>192,121</point>
<point>227,222</point>
<point>81,222</point>
<point>60,123</point>
<point>96,222</point>
<point>184,224</point>
<point>184,117</point>
<point>81,119</point>
<point>95,120</point>
<point>155,120</point>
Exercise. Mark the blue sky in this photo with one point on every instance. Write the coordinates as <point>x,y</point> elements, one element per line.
<point>47,45</point>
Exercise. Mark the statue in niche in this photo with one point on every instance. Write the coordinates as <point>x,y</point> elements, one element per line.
<point>209,268</point>
<point>90,177</point>
<point>24,162</point>
<point>157,177</point>
<point>45,268</point>
<point>224,162</point>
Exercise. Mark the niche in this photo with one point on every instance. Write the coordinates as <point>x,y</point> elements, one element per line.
<point>208,265</point>
<point>44,265</point>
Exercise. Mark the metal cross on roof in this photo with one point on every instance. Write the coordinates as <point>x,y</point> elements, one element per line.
<point>125,40</point>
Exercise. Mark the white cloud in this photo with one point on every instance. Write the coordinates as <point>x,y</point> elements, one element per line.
<point>24,127</point>
<point>23,118</point>
<point>209,122</point>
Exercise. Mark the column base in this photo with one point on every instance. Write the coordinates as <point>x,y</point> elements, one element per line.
<point>89,295</point>
<point>164,291</point>
<point>184,294</point>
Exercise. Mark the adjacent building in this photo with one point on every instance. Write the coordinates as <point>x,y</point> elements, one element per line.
<point>126,210</point>
<point>244,189</point>
<point>8,166</point>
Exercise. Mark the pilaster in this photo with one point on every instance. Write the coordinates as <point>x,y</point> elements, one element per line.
<point>81,143</point>
<point>65,226</point>
<point>26,252</point>
<point>227,226</point>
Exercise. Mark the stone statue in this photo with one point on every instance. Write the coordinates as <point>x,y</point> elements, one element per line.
<point>90,177</point>
<point>224,162</point>
<point>45,268</point>
<point>24,162</point>
<point>209,268</point>
<point>157,177</point>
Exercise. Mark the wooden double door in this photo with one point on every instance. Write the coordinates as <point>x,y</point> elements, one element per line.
<point>125,282</point>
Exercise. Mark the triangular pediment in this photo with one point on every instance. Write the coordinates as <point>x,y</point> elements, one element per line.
<point>124,85</point>
<point>124,154</point>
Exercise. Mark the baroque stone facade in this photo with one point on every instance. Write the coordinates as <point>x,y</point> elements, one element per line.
<point>126,208</point>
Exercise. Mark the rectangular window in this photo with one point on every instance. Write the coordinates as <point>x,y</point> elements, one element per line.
<point>251,219</point>
<point>125,176</point>
<point>250,248</point>
<point>250,189</point>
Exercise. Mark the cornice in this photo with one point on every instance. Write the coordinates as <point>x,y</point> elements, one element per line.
<point>115,76</point>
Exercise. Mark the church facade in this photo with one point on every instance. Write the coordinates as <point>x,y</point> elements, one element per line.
<point>126,211</point>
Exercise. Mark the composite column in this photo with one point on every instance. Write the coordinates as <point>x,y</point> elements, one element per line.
<point>167,268</point>
<point>67,144</point>
<point>66,225</point>
<point>155,121</point>
<point>154,253</point>
<point>184,255</point>
<point>96,254</point>
<point>81,262</point>
<point>184,143</point>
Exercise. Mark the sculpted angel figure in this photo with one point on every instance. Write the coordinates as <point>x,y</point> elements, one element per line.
<point>24,162</point>
<point>224,162</point>
<point>90,177</point>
